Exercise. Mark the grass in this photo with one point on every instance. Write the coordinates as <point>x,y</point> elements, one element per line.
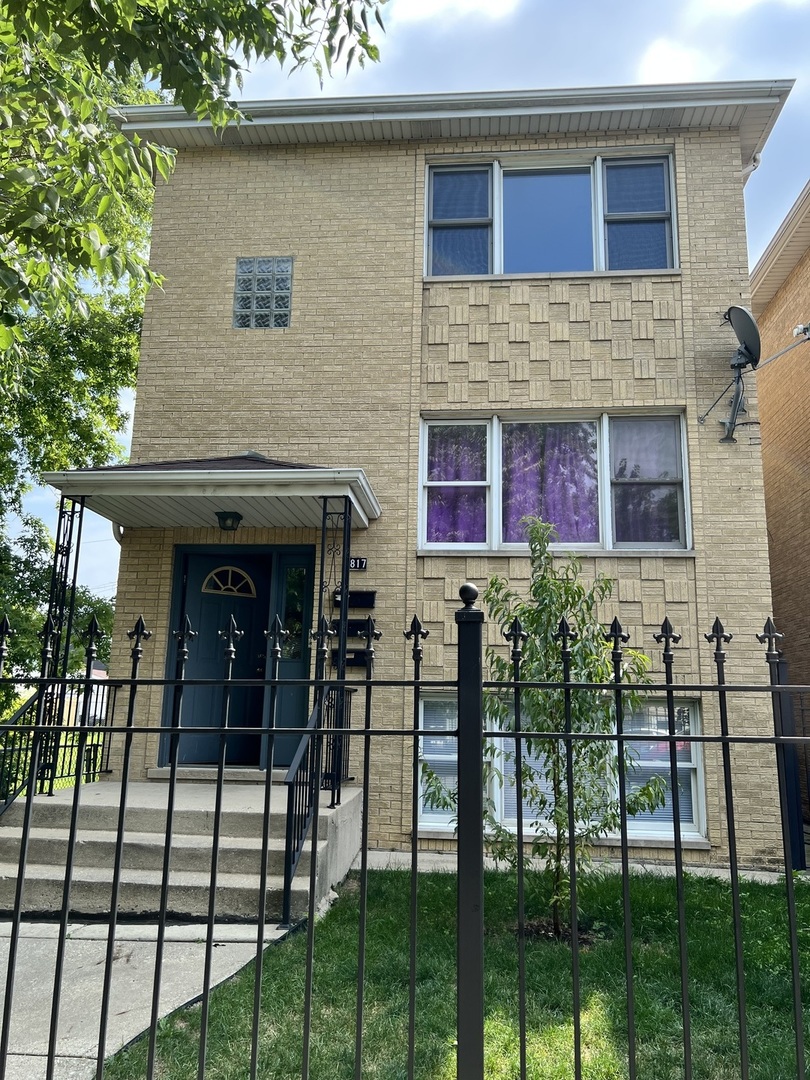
<point>715,1036</point>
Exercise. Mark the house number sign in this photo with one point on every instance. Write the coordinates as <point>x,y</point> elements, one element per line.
<point>358,564</point>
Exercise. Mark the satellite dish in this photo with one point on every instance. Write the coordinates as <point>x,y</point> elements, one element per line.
<point>745,327</point>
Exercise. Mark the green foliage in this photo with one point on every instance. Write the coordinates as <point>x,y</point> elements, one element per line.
<point>557,592</point>
<point>25,578</point>
<point>66,412</point>
<point>67,173</point>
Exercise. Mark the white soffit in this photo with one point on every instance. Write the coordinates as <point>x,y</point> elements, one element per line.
<point>751,107</point>
<point>790,244</point>
<point>284,498</point>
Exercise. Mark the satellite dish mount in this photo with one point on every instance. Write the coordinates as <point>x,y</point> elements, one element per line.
<point>749,350</point>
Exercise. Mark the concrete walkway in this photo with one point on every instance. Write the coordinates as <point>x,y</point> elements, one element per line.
<point>131,993</point>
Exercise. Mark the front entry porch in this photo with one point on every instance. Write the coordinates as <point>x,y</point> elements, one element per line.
<point>256,587</point>
<point>239,852</point>
<point>220,553</point>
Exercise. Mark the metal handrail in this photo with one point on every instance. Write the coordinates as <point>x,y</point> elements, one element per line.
<point>300,807</point>
<point>58,763</point>
<point>21,711</point>
<point>15,753</point>
<point>334,708</point>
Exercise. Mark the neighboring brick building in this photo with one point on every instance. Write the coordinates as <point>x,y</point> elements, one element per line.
<point>780,297</point>
<point>466,307</point>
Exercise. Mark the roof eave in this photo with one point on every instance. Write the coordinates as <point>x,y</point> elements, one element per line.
<point>789,244</point>
<point>316,483</point>
<point>343,117</point>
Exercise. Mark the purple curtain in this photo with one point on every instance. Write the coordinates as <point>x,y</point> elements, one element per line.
<point>456,512</point>
<point>549,471</point>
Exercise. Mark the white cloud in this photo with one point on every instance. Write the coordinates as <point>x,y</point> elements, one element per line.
<point>424,10</point>
<point>669,61</point>
<point>700,11</point>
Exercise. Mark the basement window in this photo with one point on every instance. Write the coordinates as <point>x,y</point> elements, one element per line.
<point>262,298</point>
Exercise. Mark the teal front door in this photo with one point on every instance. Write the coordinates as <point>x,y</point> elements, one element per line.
<point>252,586</point>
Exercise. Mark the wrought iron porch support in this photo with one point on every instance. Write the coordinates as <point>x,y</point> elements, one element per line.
<point>61,610</point>
<point>333,520</point>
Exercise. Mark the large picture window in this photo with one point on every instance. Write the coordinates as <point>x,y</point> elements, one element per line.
<point>647,758</point>
<point>608,482</point>
<point>505,218</point>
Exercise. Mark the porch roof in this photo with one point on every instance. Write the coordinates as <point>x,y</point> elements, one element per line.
<point>173,494</point>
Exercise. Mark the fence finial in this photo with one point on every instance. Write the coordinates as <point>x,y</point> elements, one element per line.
<point>771,636</point>
<point>370,632</point>
<point>668,638</point>
<point>565,634</point>
<point>276,634</point>
<point>139,633</point>
<point>517,635</point>
<point>231,635</point>
<point>416,631</point>
<point>468,593</point>
<point>718,635</point>
<point>182,636</point>
<point>92,635</point>
<point>616,635</point>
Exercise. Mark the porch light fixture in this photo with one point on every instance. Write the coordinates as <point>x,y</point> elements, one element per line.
<point>228,520</point>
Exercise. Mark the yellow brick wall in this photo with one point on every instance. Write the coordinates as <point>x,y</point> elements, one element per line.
<point>372,347</point>
<point>784,387</point>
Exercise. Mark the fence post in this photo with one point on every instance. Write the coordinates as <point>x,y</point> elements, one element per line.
<point>470,958</point>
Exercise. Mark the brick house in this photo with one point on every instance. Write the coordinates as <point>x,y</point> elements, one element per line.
<point>780,298</point>
<point>451,310</point>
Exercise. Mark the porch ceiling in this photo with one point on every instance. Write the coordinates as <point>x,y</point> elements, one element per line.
<point>143,498</point>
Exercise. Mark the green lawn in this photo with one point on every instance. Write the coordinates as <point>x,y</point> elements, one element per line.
<point>550,1038</point>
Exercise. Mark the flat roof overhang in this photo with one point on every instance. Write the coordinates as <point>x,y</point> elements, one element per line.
<point>184,498</point>
<point>748,106</point>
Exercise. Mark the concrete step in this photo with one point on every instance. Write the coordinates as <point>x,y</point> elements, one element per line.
<point>144,850</point>
<point>194,805</point>
<point>239,850</point>
<point>90,893</point>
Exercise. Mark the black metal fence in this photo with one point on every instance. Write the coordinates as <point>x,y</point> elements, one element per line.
<point>511,756</point>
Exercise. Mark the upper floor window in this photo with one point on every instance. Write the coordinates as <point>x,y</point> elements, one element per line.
<point>262,296</point>
<point>498,218</point>
<point>607,481</point>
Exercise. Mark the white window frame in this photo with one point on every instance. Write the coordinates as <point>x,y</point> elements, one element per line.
<point>689,830</point>
<point>557,161</point>
<point>440,820</point>
<point>494,514</point>
<point>637,828</point>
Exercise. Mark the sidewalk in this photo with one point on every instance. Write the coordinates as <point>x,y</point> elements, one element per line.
<point>131,993</point>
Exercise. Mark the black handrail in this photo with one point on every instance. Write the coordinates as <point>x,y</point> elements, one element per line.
<point>335,710</point>
<point>15,750</point>
<point>58,759</point>
<point>300,782</point>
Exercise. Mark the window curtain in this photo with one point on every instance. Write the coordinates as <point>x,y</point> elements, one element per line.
<point>457,456</point>
<point>549,470</point>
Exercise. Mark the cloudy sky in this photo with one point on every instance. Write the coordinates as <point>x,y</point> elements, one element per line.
<point>458,45</point>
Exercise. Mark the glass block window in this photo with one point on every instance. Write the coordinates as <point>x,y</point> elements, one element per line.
<point>262,298</point>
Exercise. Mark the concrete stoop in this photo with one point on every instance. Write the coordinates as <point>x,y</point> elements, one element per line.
<point>144,838</point>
